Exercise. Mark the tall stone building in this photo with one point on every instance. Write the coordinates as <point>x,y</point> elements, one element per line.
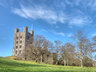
<point>21,39</point>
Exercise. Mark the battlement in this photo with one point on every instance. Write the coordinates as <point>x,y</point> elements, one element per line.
<point>25,29</point>
<point>16,30</point>
<point>21,40</point>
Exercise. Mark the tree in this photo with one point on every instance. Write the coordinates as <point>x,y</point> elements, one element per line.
<point>94,45</point>
<point>40,49</point>
<point>84,46</point>
<point>67,53</point>
<point>57,46</point>
<point>64,54</point>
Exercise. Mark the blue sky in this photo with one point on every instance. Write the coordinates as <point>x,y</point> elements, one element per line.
<point>54,19</point>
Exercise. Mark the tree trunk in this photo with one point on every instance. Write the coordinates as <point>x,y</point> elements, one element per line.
<point>81,63</point>
<point>41,58</point>
<point>67,62</point>
<point>64,62</point>
<point>81,57</point>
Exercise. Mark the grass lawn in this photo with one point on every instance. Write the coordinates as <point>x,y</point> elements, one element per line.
<point>8,65</point>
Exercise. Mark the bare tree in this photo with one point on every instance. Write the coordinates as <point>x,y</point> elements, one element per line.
<point>94,45</point>
<point>57,46</point>
<point>84,46</point>
<point>67,53</point>
<point>63,54</point>
<point>41,49</point>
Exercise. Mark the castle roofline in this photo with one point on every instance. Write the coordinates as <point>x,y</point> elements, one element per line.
<point>25,29</point>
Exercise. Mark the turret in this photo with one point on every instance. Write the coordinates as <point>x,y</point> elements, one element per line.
<point>25,29</point>
<point>32,32</point>
<point>16,30</point>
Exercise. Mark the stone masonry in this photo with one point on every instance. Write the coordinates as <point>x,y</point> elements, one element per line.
<point>20,43</point>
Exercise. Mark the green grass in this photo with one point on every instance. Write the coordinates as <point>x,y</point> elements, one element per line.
<point>9,65</point>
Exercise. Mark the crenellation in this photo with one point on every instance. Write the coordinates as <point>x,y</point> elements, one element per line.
<point>16,30</point>
<point>25,29</point>
<point>31,32</point>
<point>20,42</point>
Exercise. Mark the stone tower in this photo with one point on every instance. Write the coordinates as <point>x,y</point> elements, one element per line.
<point>21,40</point>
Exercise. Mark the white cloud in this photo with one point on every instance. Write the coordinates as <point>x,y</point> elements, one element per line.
<point>51,16</point>
<point>43,30</point>
<point>71,35</point>
<point>20,28</point>
<point>62,17</point>
<point>87,4</point>
<point>94,34</point>
<point>61,34</point>
<point>92,4</point>
<point>20,13</point>
<point>69,2</point>
<point>58,33</point>
<point>79,21</point>
<point>37,13</point>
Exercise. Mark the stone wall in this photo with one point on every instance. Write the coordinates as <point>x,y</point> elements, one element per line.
<point>20,42</point>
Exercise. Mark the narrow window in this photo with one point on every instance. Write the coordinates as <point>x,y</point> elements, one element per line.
<point>20,41</point>
<point>16,52</point>
<point>16,47</point>
<point>16,37</point>
<point>20,52</point>
<point>17,42</point>
<point>20,36</point>
<point>20,46</point>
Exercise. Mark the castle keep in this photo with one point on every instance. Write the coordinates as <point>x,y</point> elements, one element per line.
<point>20,43</point>
<point>25,49</point>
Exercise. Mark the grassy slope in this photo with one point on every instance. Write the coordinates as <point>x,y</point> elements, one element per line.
<point>8,65</point>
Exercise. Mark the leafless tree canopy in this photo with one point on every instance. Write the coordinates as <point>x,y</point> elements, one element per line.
<point>67,54</point>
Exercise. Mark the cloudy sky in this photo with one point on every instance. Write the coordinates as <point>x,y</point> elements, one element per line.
<point>54,19</point>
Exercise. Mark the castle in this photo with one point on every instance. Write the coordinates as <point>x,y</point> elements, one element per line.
<point>23,47</point>
<point>20,43</point>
